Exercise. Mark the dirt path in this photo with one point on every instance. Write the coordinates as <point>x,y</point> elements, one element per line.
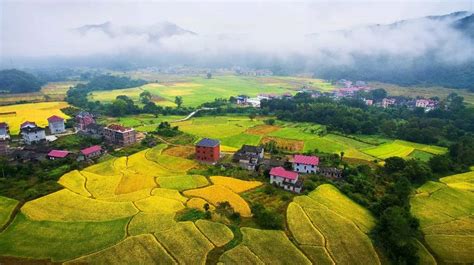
<point>192,114</point>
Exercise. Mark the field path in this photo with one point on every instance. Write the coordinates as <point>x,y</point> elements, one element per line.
<point>192,114</point>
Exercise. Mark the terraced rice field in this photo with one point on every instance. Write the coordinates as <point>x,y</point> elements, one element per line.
<point>15,115</point>
<point>402,149</point>
<point>332,228</point>
<point>445,210</point>
<point>7,206</point>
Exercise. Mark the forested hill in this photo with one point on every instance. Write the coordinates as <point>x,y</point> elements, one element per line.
<point>110,82</point>
<point>16,81</point>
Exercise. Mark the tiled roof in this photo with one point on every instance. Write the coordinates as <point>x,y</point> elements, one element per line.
<point>55,118</point>
<point>206,142</point>
<point>117,127</point>
<point>90,150</point>
<point>58,153</point>
<point>307,160</point>
<point>31,129</point>
<point>281,172</point>
<point>27,123</point>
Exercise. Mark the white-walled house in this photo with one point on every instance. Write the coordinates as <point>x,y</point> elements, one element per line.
<point>56,124</point>
<point>32,134</point>
<point>4,131</point>
<point>305,164</point>
<point>288,180</point>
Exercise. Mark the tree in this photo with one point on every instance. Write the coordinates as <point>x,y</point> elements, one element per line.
<point>266,218</point>
<point>145,97</point>
<point>394,164</point>
<point>269,121</point>
<point>440,164</point>
<point>178,101</point>
<point>378,94</point>
<point>395,232</point>
<point>252,116</point>
<point>118,108</point>
<point>209,75</point>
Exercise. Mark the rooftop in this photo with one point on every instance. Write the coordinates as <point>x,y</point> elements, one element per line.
<point>3,125</point>
<point>55,118</point>
<point>281,172</point>
<point>31,129</point>
<point>90,150</point>
<point>58,153</point>
<point>307,160</point>
<point>28,123</point>
<point>117,127</point>
<point>206,142</point>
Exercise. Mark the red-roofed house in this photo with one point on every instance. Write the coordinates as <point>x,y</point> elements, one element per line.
<point>57,154</point>
<point>305,164</point>
<point>30,124</point>
<point>91,152</point>
<point>56,124</point>
<point>285,179</point>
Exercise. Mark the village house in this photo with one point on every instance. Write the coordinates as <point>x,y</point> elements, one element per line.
<point>90,152</point>
<point>83,119</point>
<point>58,154</point>
<point>248,156</point>
<point>285,179</point>
<point>56,124</point>
<point>242,100</point>
<point>4,131</point>
<point>30,124</point>
<point>95,130</point>
<point>427,104</point>
<point>208,151</point>
<point>369,102</point>
<point>120,135</point>
<point>330,172</point>
<point>32,134</point>
<point>305,164</point>
<point>387,102</point>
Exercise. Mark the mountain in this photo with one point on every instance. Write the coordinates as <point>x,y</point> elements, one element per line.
<point>432,50</point>
<point>154,33</point>
<point>16,81</point>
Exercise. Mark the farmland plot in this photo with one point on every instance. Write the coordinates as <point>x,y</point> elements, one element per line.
<point>7,206</point>
<point>236,185</point>
<point>143,249</point>
<point>185,243</point>
<point>217,233</point>
<point>445,211</point>
<point>59,241</point>
<point>332,228</point>
<point>183,182</point>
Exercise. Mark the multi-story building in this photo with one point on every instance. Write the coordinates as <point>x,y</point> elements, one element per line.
<point>208,151</point>
<point>120,135</point>
<point>56,124</point>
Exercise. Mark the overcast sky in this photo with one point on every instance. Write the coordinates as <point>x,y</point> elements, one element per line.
<point>43,27</point>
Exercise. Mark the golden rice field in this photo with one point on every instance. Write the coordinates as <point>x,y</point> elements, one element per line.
<point>142,249</point>
<point>219,234</point>
<point>445,210</point>
<point>235,185</point>
<point>144,223</point>
<point>15,115</point>
<point>216,193</point>
<point>334,226</point>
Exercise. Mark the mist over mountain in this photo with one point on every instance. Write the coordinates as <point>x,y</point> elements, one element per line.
<point>407,51</point>
<point>153,32</point>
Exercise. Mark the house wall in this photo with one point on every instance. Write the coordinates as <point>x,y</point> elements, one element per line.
<point>279,181</point>
<point>303,168</point>
<point>57,127</point>
<point>208,154</point>
<point>33,136</point>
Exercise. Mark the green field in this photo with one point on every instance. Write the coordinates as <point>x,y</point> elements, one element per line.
<point>445,210</point>
<point>7,206</point>
<point>198,90</point>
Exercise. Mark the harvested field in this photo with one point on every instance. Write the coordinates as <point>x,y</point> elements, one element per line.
<point>286,144</point>
<point>262,129</point>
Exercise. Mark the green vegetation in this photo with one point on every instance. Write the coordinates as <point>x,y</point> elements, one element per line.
<point>26,238</point>
<point>7,206</point>
<point>16,81</point>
